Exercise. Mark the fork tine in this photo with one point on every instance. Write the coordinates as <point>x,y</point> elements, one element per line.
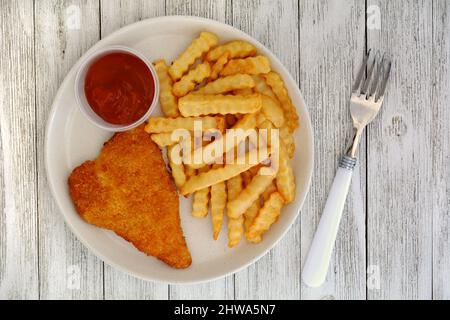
<point>360,75</point>
<point>378,76</point>
<point>371,66</point>
<point>387,70</point>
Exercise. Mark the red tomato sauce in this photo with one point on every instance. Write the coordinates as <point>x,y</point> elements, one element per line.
<point>119,87</point>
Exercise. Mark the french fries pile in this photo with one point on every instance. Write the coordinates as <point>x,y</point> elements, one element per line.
<point>227,86</point>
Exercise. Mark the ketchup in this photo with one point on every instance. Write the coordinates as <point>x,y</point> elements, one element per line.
<point>119,87</point>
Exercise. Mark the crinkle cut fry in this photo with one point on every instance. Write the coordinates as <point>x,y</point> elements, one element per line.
<point>285,176</point>
<point>187,83</point>
<point>213,176</point>
<point>252,65</point>
<point>177,167</point>
<point>235,225</point>
<point>267,215</point>
<point>164,139</point>
<point>218,203</point>
<point>236,49</point>
<point>199,46</point>
<point>169,103</point>
<point>274,80</point>
<point>246,123</point>
<point>288,140</point>
<point>250,194</point>
<point>272,110</point>
<point>168,125</point>
<point>262,87</point>
<point>218,65</point>
<point>201,199</point>
<point>193,105</point>
<point>227,84</point>
<point>251,212</point>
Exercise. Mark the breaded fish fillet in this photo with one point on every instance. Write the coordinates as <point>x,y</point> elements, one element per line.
<point>129,191</point>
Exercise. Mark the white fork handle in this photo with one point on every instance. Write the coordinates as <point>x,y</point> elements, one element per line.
<point>316,266</point>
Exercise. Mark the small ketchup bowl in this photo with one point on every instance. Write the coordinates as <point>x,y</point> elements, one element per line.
<point>116,88</point>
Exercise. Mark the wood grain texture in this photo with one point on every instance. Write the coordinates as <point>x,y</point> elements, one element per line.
<point>68,270</point>
<point>219,10</point>
<point>18,216</point>
<point>440,152</point>
<point>114,15</point>
<point>332,41</point>
<point>400,165</point>
<point>275,25</point>
<point>404,161</point>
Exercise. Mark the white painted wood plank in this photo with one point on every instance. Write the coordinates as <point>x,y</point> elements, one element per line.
<point>332,43</point>
<point>400,167</point>
<point>64,31</point>
<point>408,213</point>
<point>120,286</point>
<point>218,10</point>
<point>440,152</point>
<point>18,192</point>
<point>274,24</point>
<point>114,15</point>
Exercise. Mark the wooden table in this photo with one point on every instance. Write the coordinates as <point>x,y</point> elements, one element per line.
<point>394,241</point>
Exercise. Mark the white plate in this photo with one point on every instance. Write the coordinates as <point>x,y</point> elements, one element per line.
<point>72,139</point>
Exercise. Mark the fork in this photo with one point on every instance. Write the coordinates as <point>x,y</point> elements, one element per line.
<point>365,102</point>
